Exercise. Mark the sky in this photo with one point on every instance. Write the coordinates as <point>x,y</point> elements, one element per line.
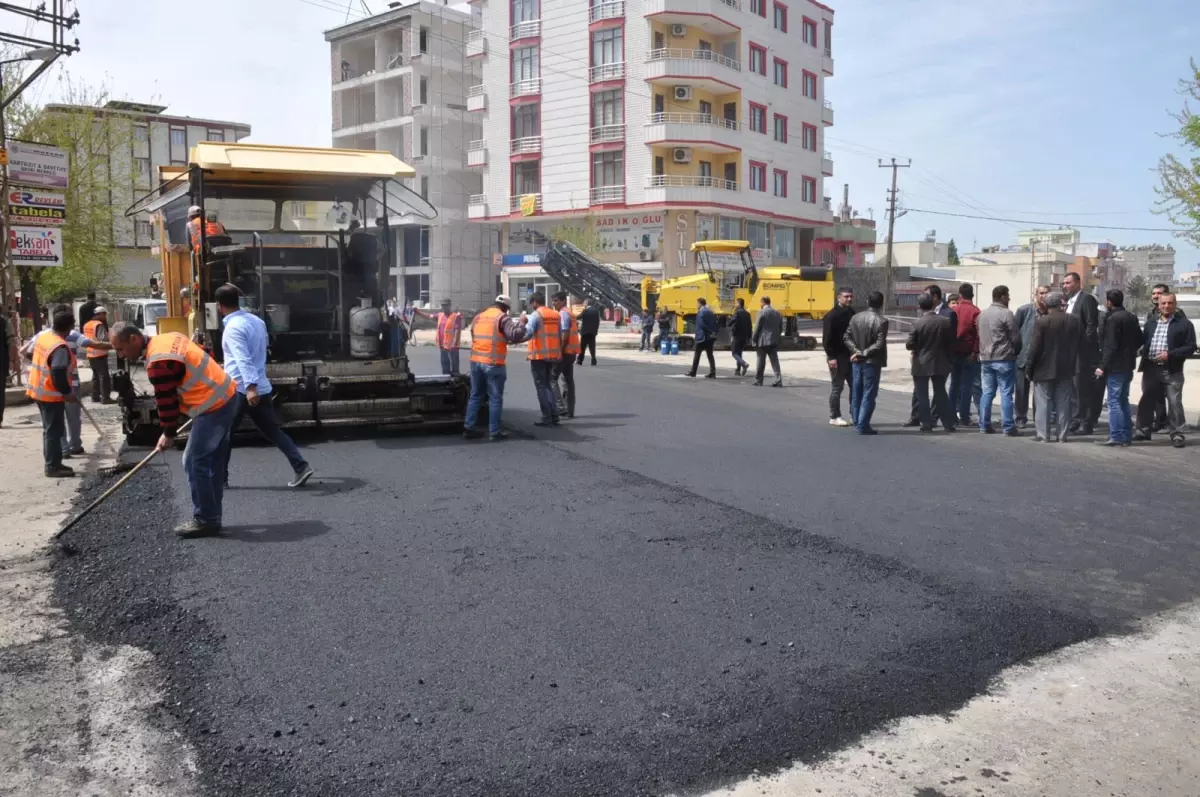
<point>1053,111</point>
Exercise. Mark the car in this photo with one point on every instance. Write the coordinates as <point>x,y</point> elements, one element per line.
<point>143,312</point>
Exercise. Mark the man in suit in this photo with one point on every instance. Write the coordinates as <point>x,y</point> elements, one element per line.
<point>1118,359</point>
<point>1053,365</point>
<point>931,341</point>
<point>1160,411</point>
<point>941,308</point>
<point>589,326</point>
<point>706,338</point>
<point>1087,388</point>
<point>1025,316</point>
<point>742,328</point>
<point>767,332</point>
<point>1168,341</point>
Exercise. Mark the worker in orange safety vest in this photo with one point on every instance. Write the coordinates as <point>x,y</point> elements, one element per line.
<point>449,334</point>
<point>544,331</point>
<point>491,333</point>
<point>51,389</point>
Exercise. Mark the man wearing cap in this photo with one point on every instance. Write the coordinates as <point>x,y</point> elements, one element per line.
<point>491,333</point>
<point>449,335</point>
<point>194,225</point>
<point>96,329</point>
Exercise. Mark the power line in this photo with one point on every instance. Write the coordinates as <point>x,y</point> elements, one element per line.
<point>1177,230</point>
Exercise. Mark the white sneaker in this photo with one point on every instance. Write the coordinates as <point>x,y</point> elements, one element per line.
<point>838,422</point>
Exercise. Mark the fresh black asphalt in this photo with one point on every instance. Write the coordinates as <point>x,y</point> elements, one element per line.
<point>691,581</point>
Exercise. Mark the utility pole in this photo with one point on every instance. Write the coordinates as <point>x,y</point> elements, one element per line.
<point>889,272</point>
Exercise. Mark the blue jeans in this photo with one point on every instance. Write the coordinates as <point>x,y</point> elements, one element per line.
<point>449,361</point>
<point>264,419</point>
<point>206,458</point>
<point>647,334</point>
<point>1120,420</point>
<point>72,437</point>
<point>543,373</point>
<point>54,427</point>
<point>964,376</point>
<point>1004,374</point>
<point>864,387</point>
<point>739,347</point>
<point>486,380</point>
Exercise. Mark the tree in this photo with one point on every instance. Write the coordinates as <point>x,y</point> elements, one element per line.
<point>1179,177</point>
<point>952,254</point>
<point>1136,289</point>
<point>582,234</point>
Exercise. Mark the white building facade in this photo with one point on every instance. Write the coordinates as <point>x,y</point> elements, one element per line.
<point>654,123</point>
<point>1152,262</point>
<point>400,82</point>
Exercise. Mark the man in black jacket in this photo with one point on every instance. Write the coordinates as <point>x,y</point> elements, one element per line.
<point>589,325</point>
<point>939,308</point>
<point>1118,359</point>
<point>931,341</point>
<point>1168,341</point>
<point>87,309</point>
<point>742,327</point>
<point>1160,409</point>
<point>1088,389</point>
<point>833,332</point>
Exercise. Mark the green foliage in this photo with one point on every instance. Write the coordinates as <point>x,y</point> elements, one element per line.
<point>1179,176</point>
<point>581,233</point>
<point>1136,289</point>
<point>952,254</point>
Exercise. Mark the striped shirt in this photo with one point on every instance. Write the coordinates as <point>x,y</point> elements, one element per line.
<point>1158,343</point>
<point>165,377</point>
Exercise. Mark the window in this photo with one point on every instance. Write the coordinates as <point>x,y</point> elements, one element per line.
<point>758,7</point>
<point>144,233</point>
<point>141,133</point>
<point>758,59</point>
<point>706,173</point>
<point>781,128</point>
<point>828,38</point>
<point>780,183</point>
<point>608,169</point>
<point>758,176</point>
<point>658,165</point>
<point>143,167</point>
<point>784,243</point>
<point>525,64</point>
<point>758,118</point>
<point>525,178</point>
<point>756,234</point>
<point>781,17</point>
<point>729,229</point>
<point>178,137</point>
<point>608,108</point>
<point>423,91</point>
<point>216,135</point>
<point>423,40</point>
<point>526,121</point>
<point>706,110</point>
<point>608,46</point>
<point>810,85</point>
<point>424,187</point>
<point>781,73</point>
<point>809,190</point>
<point>808,32</point>
<point>809,138</point>
<point>524,11</point>
<point>424,142</point>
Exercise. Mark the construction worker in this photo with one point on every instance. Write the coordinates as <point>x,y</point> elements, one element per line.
<point>564,369</point>
<point>187,380</point>
<point>50,388</point>
<point>449,334</point>
<point>193,228</point>
<point>544,332</point>
<point>97,356</point>
<point>491,333</point>
<point>212,227</point>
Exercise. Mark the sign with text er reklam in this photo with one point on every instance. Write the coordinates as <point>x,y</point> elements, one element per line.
<point>37,207</point>
<point>36,246</point>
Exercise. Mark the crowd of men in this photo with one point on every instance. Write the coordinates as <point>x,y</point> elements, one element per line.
<point>1062,344</point>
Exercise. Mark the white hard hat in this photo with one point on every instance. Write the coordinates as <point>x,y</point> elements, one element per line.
<point>194,210</point>
<point>99,310</point>
<point>503,299</point>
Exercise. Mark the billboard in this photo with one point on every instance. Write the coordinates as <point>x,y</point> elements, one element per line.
<point>37,164</point>
<point>35,246</point>
<point>26,206</point>
<point>629,232</point>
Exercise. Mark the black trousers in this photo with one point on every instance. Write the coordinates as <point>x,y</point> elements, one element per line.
<point>707,348</point>
<point>941,401</point>
<point>54,427</point>
<point>4,376</point>
<point>101,379</point>
<point>839,376</point>
<point>564,393</point>
<point>1021,409</point>
<point>763,353</point>
<point>587,343</point>
<point>1088,390</point>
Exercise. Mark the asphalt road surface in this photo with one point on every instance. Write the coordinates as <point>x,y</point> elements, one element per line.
<point>691,581</point>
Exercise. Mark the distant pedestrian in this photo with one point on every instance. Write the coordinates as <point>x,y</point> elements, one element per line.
<point>492,331</point>
<point>1168,341</point>
<point>589,327</point>
<point>742,329</point>
<point>833,333</point>
<point>1118,360</point>
<point>87,310</point>
<point>999,343</point>
<point>1052,366</point>
<point>664,326</point>
<point>648,321</point>
<point>940,307</point>
<point>1025,317</point>
<point>7,344</point>
<point>448,335</point>
<point>706,338</point>
<point>966,373</point>
<point>543,331</point>
<point>1088,388</point>
<point>768,331</point>
<point>97,329</point>
<point>931,341</point>
<point>564,368</point>
<point>866,340</point>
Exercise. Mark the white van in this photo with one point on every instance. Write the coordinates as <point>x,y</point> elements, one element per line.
<point>143,312</point>
<point>1189,303</point>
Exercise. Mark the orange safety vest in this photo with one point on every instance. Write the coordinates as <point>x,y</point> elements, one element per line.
<point>41,384</point>
<point>193,231</point>
<point>546,343</point>
<point>212,228</point>
<point>90,330</point>
<point>488,344</point>
<point>573,346</point>
<point>206,387</point>
<point>445,329</point>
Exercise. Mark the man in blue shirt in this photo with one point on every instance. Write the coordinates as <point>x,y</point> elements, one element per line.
<point>244,343</point>
<point>706,338</point>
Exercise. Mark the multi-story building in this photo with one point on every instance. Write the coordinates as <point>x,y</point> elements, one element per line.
<point>1152,262</point>
<point>849,242</point>
<point>140,138</point>
<point>1059,238</point>
<point>655,123</point>
<point>400,82</point>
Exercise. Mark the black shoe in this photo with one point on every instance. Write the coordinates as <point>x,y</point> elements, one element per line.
<point>691,374</point>
<point>709,375</point>
<point>1110,443</point>
<point>593,362</point>
<point>987,430</point>
<point>472,434</point>
<point>777,384</point>
<point>569,415</point>
<point>66,455</point>
<point>951,428</point>
<point>498,436</point>
<point>61,472</point>
<point>544,422</point>
<point>1011,433</point>
<point>1159,426</point>
<point>758,383</point>
<point>913,423</point>
<point>77,450</point>
<point>1037,438</point>
<point>1142,436</point>
<point>867,431</point>
<point>927,429</point>
<point>1074,427</point>
<point>579,361</point>
<point>1022,423</point>
<point>1177,441</point>
<point>302,477</point>
<point>195,528</point>
<point>1086,429</point>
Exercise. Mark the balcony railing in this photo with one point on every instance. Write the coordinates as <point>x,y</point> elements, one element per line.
<point>525,30</point>
<point>476,43</point>
<point>514,202</point>
<point>477,207</point>
<point>477,199</point>
<point>666,53</point>
<point>526,145</point>
<point>606,194</point>
<point>734,4</point>
<point>608,133</point>
<point>612,9</point>
<point>689,181</point>
<point>827,112</point>
<point>606,72</point>
<point>523,88</point>
<point>477,153</point>
<point>694,119</point>
<point>476,98</point>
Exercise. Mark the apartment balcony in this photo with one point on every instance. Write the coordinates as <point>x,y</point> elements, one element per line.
<point>529,29</point>
<point>827,164</point>
<point>606,133</point>
<point>827,113</point>
<point>694,129</point>
<point>702,69</point>
<point>476,99</point>
<point>477,206</point>
<point>477,153</point>
<point>612,9</point>
<point>827,63</point>
<point>525,88</point>
<point>607,195</point>
<point>717,17</point>
<point>476,43</point>
<point>607,72</point>
<point>529,145</point>
<point>689,188</point>
<point>515,202</point>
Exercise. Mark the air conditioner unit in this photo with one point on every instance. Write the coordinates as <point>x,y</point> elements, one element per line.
<point>645,255</point>
<point>683,93</point>
<point>679,31</point>
<point>681,155</point>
